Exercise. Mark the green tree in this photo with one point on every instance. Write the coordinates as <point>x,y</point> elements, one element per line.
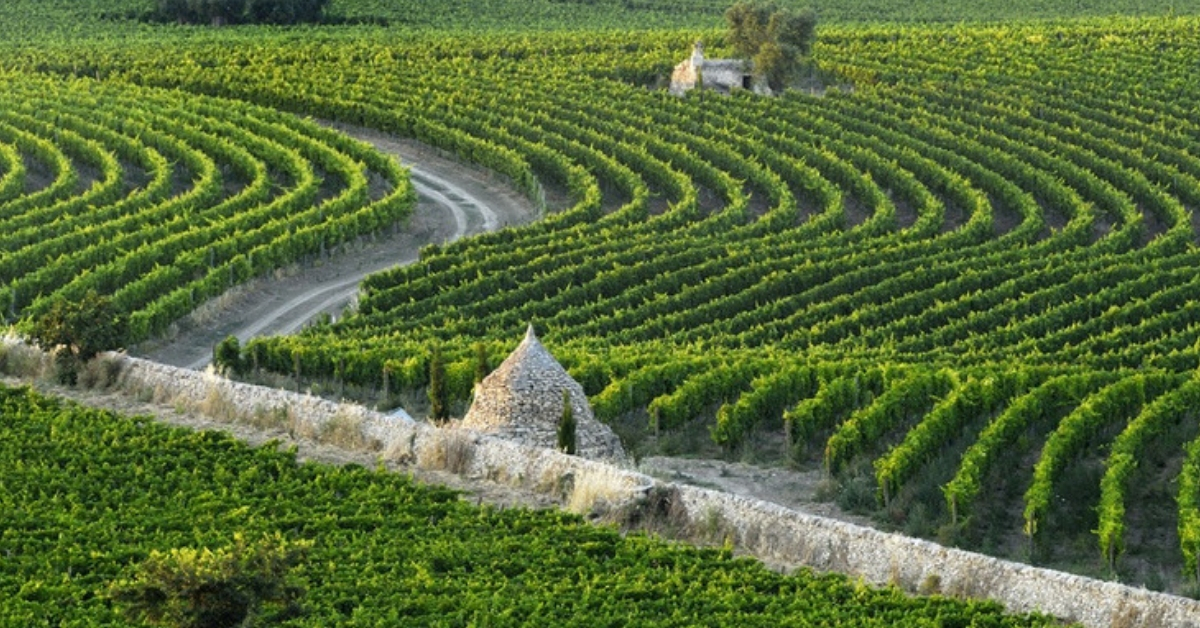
<point>566,426</point>
<point>78,331</point>
<point>220,12</point>
<point>775,39</point>
<point>439,392</point>
<point>190,588</point>
<point>482,367</point>
<point>176,10</point>
<point>217,12</point>
<point>227,356</point>
<point>286,11</point>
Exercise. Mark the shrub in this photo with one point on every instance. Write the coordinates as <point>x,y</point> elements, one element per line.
<point>227,356</point>
<point>190,588</point>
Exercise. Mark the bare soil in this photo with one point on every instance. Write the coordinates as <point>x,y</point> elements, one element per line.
<point>794,489</point>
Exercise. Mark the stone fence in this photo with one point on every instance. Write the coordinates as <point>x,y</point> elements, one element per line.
<point>767,531</point>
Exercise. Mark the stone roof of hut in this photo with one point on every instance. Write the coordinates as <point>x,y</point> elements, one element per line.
<point>523,400</point>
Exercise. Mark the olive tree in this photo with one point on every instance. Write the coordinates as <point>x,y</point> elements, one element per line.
<point>77,331</point>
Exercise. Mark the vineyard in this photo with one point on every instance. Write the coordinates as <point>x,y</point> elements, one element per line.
<point>162,200</point>
<point>957,270</point>
<point>85,494</point>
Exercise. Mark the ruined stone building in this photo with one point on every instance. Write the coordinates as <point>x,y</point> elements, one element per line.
<point>721,75</point>
<point>522,400</point>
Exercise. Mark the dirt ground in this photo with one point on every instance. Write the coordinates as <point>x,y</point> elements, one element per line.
<point>454,200</point>
<point>790,488</point>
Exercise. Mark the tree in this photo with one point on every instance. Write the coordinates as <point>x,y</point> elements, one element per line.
<point>78,331</point>
<point>482,368</point>
<point>227,356</point>
<point>217,12</point>
<point>221,12</point>
<point>439,394</point>
<point>286,11</point>
<point>566,426</point>
<point>775,39</point>
<point>189,588</point>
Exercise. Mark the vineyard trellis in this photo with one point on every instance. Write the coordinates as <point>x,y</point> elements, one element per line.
<point>978,236</point>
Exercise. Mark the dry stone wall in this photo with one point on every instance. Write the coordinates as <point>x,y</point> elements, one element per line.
<point>768,531</point>
<point>774,533</point>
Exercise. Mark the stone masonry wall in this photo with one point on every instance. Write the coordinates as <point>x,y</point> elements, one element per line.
<point>768,531</point>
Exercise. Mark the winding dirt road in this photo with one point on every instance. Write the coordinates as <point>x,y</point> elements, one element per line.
<point>454,200</point>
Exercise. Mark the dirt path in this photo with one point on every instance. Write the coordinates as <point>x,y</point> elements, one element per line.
<point>454,200</point>
<point>789,488</point>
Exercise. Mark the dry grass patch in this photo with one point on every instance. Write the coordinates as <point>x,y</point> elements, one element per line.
<point>596,493</point>
<point>448,450</point>
<point>345,430</point>
<point>276,418</point>
<point>25,361</point>
<point>218,403</point>
<point>101,373</point>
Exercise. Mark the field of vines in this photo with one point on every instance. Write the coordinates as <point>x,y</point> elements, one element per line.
<point>956,270</point>
<point>85,494</point>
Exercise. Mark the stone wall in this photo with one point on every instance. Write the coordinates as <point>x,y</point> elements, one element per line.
<point>770,532</point>
<point>774,533</point>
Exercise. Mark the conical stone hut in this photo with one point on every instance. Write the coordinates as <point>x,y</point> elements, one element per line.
<point>522,400</point>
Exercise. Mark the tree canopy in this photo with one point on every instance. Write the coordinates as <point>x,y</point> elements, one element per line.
<point>79,330</point>
<point>190,588</point>
<point>218,12</point>
<point>775,39</point>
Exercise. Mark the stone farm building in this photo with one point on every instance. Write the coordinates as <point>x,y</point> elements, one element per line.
<point>721,75</point>
<point>522,400</point>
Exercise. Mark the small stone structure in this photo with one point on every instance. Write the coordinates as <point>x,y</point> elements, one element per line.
<point>522,400</point>
<point>722,75</point>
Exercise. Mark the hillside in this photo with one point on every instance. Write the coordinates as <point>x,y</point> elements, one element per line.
<point>954,271</point>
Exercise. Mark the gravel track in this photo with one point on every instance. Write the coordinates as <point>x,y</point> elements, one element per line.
<point>455,200</point>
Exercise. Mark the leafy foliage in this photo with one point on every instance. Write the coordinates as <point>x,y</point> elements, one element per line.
<point>227,356</point>
<point>221,12</point>
<point>78,331</point>
<point>439,392</point>
<point>190,588</point>
<point>775,39</point>
<point>90,498</point>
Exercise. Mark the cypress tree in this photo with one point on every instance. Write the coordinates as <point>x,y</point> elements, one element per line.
<point>482,368</point>
<point>566,426</point>
<point>439,402</point>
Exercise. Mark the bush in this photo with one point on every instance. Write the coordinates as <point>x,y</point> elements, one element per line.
<point>227,356</point>
<point>190,588</point>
